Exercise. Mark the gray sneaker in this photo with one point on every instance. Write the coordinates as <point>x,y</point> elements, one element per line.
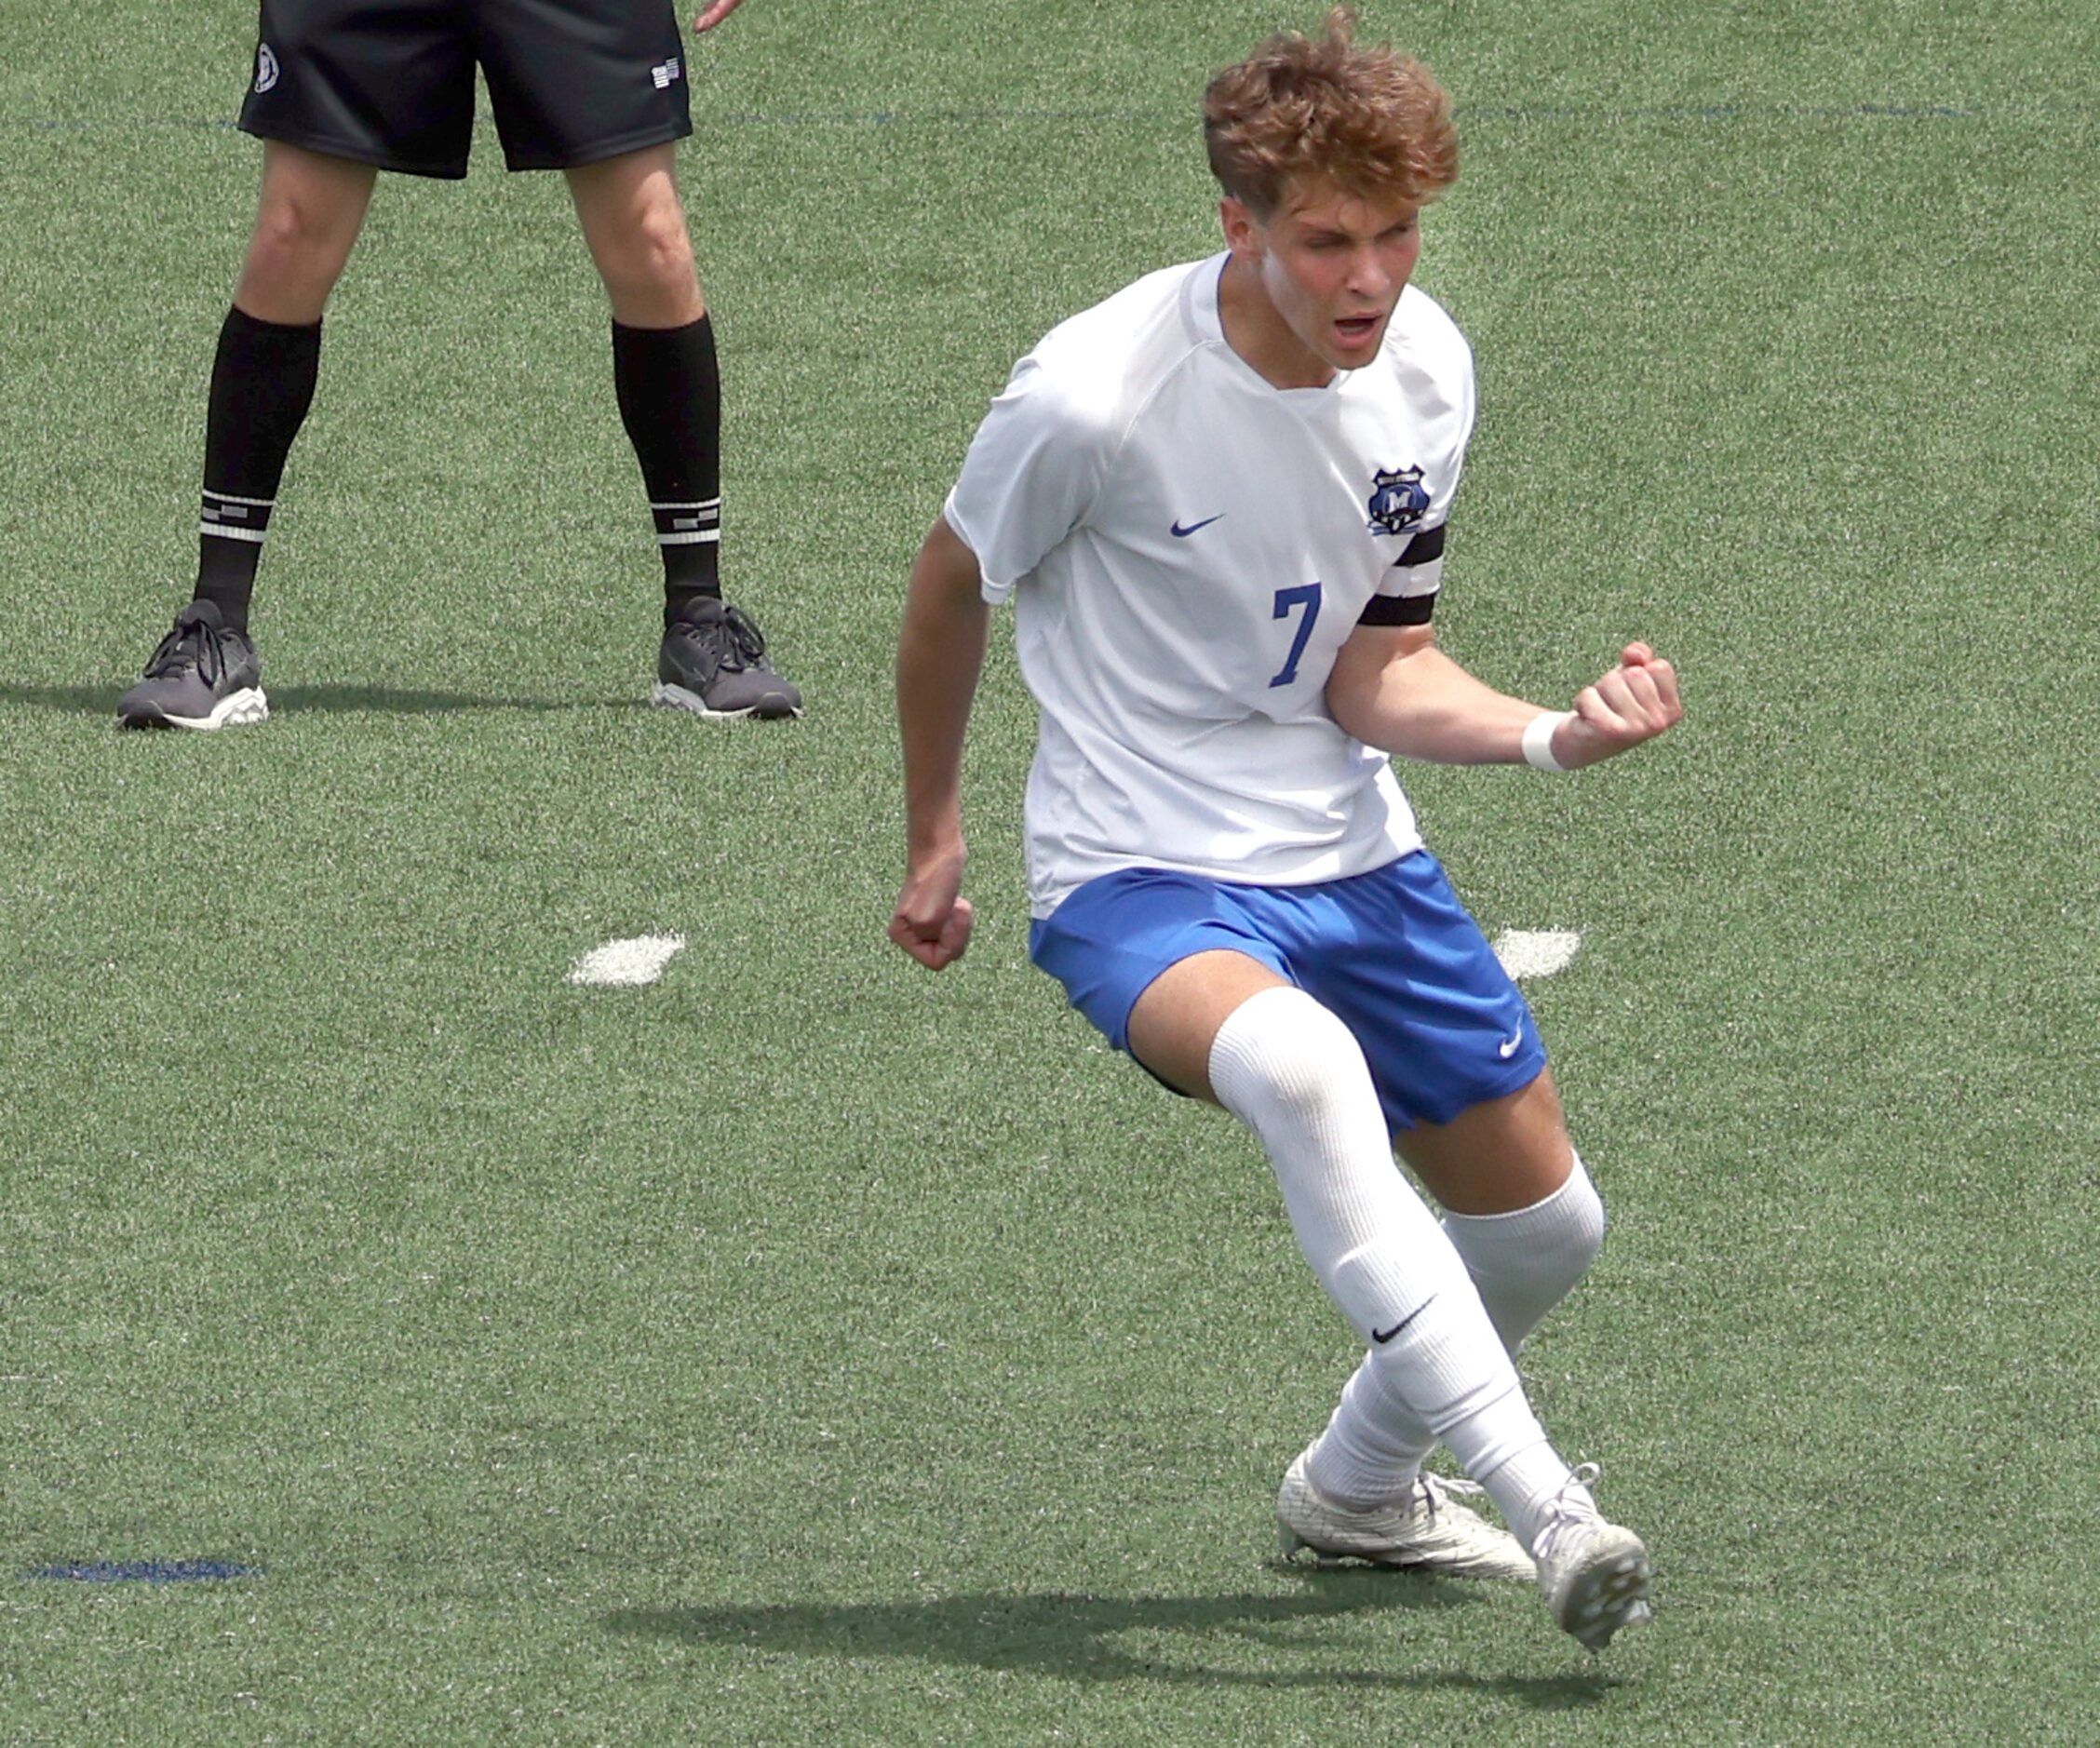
<point>1594,1576</point>
<point>204,676</point>
<point>1428,1529</point>
<point>713,663</point>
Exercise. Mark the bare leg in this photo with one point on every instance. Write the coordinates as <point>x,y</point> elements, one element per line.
<point>634,226</point>
<point>1509,1152</point>
<point>306,221</point>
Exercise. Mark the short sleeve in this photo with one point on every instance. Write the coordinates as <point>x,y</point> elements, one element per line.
<point>1033,470</point>
<point>1406,595</point>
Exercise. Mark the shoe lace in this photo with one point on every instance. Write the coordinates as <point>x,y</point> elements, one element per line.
<point>1438,1488</point>
<point>733,639</point>
<point>190,644</point>
<point>1566,1511</point>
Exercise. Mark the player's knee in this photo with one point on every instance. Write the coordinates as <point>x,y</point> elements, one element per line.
<point>653,261</point>
<point>1306,1063</point>
<point>667,246</point>
<point>298,240</point>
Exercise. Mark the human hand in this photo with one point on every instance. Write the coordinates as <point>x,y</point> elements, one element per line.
<point>1635,701</point>
<point>932,921</point>
<point>715,13</point>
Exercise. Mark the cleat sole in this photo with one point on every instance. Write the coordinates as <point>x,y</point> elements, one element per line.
<point>1611,1600</point>
<point>769,708</point>
<point>236,709</point>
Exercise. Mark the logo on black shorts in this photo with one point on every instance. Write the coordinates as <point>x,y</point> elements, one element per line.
<point>265,69</point>
<point>1399,500</point>
<point>663,73</point>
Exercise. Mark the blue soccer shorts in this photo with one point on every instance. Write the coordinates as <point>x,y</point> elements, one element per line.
<point>1392,952</point>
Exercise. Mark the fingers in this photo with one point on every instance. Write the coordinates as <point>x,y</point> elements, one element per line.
<point>1643,686</point>
<point>714,14</point>
<point>1641,656</point>
<point>1634,695</point>
<point>1624,709</point>
<point>1667,687</point>
<point>1635,701</point>
<point>936,939</point>
<point>926,950</point>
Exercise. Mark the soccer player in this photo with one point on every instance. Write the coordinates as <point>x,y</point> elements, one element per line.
<point>1219,502</point>
<point>344,88</point>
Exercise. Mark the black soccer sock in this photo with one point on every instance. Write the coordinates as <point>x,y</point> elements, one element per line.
<point>261,385</point>
<point>670,401</point>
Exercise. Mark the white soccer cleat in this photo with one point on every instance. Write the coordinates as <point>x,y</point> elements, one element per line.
<point>1595,1576</point>
<point>1428,1530</point>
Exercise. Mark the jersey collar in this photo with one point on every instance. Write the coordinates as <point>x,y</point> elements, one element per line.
<point>1199,299</point>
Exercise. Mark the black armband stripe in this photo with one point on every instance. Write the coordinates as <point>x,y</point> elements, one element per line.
<point>1425,547</point>
<point>1397,610</point>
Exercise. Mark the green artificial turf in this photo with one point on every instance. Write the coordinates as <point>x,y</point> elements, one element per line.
<point>806,1349</point>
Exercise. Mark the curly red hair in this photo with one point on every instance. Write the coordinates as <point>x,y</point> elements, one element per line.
<point>1372,121</point>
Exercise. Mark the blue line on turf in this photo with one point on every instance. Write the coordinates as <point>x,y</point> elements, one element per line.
<point>146,1571</point>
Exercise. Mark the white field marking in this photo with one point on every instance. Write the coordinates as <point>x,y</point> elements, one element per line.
<point>627,965</point>
<point>1536,952</point>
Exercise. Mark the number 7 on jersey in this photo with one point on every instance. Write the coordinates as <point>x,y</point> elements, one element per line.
<point>1306,594</point>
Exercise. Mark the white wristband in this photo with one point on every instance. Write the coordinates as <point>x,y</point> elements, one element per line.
<point>1538,739</point>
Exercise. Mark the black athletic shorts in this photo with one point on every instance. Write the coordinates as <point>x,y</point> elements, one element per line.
<point>391,82</point>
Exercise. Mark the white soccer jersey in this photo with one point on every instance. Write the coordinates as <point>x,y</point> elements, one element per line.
<point>1187,548</point>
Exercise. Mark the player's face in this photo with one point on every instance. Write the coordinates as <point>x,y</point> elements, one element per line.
<point>1331,266</point>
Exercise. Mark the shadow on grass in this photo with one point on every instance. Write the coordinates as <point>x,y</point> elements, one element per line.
<point>345,700</point>
<point>1074,1637</point>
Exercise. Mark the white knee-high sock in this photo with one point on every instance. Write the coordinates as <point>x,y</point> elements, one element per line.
<point>1523,1263</point>
<point>1526,1262</point>
<point>1293,1073</point>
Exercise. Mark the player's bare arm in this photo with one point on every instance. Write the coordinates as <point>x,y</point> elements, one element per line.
<point>713,15</point>
<point>941,653</point>
<point>1395,689</point>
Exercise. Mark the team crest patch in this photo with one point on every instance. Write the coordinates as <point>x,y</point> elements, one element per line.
<point>265,69</point>
<point>1398,500</point>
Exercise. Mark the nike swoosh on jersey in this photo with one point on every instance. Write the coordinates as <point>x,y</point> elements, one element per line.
<point>1180,532</point>
<point>1507,1048</point>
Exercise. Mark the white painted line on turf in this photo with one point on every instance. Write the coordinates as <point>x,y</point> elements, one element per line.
<point>1536,952</point>
<point>627,965</point>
